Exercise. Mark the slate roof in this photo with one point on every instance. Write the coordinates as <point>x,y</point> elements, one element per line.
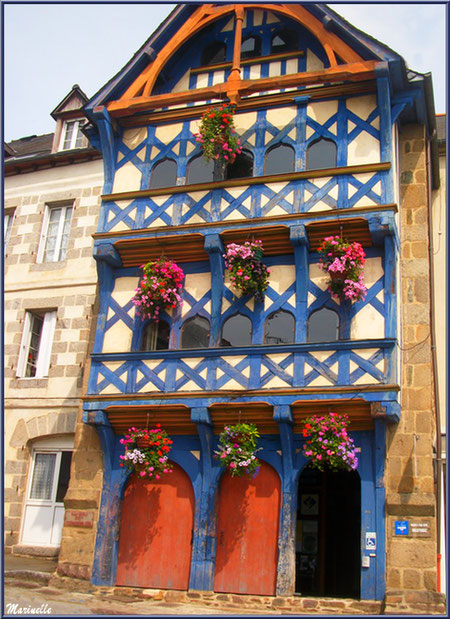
<point>32,145</point>
<point>441,121</point>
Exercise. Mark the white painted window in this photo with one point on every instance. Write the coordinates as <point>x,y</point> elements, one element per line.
<point>71,135</point>
<point>36,345</point>
<point>47,486</point>
<point>55,233</point>
<point>7,227</point>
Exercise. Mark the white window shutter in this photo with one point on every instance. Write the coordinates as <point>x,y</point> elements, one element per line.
<point>45,346</point>
<point>40,254</point>
<point>24,345</point>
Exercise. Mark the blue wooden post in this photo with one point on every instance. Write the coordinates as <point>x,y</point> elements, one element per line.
<point>104,567</point>
<point>214,248</point>
<point>384,105</point>
<point>108,260</point>
<point>299,240</point>
<point>108,148</point>
<point>380,499</point>
<point>286,539</point>
<point>204,540</point>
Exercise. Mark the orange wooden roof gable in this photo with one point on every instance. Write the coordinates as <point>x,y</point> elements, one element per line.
<point>138,94</point>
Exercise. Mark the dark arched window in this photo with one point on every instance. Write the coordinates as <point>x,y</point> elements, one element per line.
<point>237,331</point>
<point>284,41</point>
<point>164,174</point>
<point>279,159</point>
<point>156,336</point>
<point>279,328</point>
<point>200,170</point>
<point>242,166</point>
<point>251,47</point>
<point>323,326</point>
<point>195,333</point>
<point>321,154</point>
<point>213,53</point>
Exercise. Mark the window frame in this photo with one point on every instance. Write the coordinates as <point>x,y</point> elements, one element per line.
<point>8,222</point>
<point>78,123</point>
<point>45,344</point>
<point>44,233</point>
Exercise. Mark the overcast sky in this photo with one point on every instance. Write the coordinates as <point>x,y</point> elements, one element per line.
<point>50,47</point>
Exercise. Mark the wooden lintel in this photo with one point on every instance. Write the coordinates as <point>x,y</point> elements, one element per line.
<point>353,72</point>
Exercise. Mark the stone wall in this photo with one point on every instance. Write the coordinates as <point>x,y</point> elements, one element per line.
<point>411,559</point>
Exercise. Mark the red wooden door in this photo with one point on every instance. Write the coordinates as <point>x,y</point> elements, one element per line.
<point>156,532</point>
<point>247,533</point>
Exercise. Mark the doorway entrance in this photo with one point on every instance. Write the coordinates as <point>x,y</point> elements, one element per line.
<point>328,536</point>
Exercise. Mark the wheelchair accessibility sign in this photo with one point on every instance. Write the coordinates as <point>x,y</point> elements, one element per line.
<point>371,541</point>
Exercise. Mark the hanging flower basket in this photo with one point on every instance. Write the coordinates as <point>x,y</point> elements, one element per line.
<point>146,452</point>
<point>217,134</point>
<point>248,274</point>
<point>344,262</point>
<point>328,443</point>
<point>237,449</point>
<point>159,288</point>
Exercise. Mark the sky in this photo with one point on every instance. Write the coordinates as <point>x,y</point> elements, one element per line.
<point>50,47</point>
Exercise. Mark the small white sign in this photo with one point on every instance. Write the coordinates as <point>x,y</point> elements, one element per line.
<point>366,561</point>
<point>371,541</point>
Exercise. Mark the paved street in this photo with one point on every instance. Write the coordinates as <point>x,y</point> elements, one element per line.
<point>29,598</point>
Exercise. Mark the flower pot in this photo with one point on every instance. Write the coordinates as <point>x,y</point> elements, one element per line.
<point>142,442</point>
<point>336,276</point>
<point>258,253</point>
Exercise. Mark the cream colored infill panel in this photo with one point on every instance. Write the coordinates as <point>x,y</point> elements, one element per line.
<point>362,106</point>
<point>291,66</point>
<point>280,278</point>
<point>274,68</point>
<point>280,117</point>
<point>167,133</point>
<point>320,381</point>
<point>279,358</point>
<point>312,62</point>
<point>321,111</point>
<point>183,83</point>
<point>202,80</point>
<point>362,149</point>
<point>321,355</point>
<point>368,323</point>
<point>271,18</point>
<point>366,353</point>
<point>127,178</point>
<point>275,382</point>
<point>218,77</point>
<point>110,388</point>
<point>231,384</point>
<point>133,137</point>
<point>318,277</point>
<point>366,379</point>
<point>196,454</point>
<point>229,26</point>
<point>197,285</point>
<point>117,338</point>
<point>255,72</point>
<point>276,188</point>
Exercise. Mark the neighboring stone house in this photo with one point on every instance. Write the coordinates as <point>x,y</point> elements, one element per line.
<point>51,205</point>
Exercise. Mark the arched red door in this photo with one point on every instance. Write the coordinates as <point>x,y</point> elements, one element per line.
<point>156,532</point>
<point>247,533</point>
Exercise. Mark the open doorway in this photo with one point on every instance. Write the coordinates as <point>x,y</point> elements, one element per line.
<point>328,538</point>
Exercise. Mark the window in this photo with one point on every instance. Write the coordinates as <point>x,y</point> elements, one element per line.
<point>321,154</point>
<point>47,487</point>
<point>251,47</point>
<point>242,166</point>
<point>195,333</point>
<point>213,53</point>
<point>55,234</point>
<point>35,348</point>
<point>7,227</point>
<point>284,41</point>
<point>323,326</point>
<point>237,331</point>
<point>164,174</point>
<point>72,136</point>
<point>279,328</point>
<point>156,336</point>
<point>279,159</point>
<point>200,170</point>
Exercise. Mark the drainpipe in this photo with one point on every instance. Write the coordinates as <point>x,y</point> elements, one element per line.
<point>433,354</point>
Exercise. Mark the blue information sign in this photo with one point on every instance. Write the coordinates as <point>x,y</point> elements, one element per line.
<point>401,527</point>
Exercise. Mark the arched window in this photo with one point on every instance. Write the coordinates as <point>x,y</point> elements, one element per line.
<point>164,174</point>
<point>156,336</point>
<point>242,166</point>
<point>321,154</point>
<point>251,47</point>
<point>284,41</point>
<point>323,326</point>
<point>279,328</point>
<point>200,170</point>
<point>195,333</point>
<point>214,53</point>
<point>279,159</point>
<point>237,331</point>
